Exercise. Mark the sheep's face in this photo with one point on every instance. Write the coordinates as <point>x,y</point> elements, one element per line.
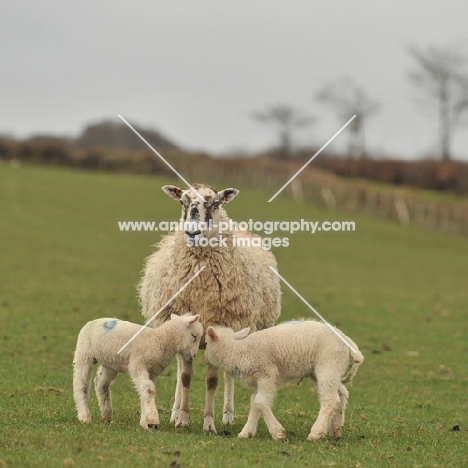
<point>192,331</point>
<point>218,341</point>
<point>201,206</point>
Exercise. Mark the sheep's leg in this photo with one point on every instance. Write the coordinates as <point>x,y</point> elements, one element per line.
<point>263,400</point>
<point>228,410</point>
<point>329,404</point>
<point>337,421</point>
<point>81,383</point>
<point>104,377</point>
<point>178,391</point>
<point>149,413</point>
<point>185,378</point>
<point>211,385</point>
<point>250,428</point>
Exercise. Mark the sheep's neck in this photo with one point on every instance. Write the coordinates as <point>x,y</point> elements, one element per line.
<point>228,353</point>
<point>167,341</point>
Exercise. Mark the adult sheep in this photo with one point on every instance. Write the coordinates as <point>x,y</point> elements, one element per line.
<point>237,289</point>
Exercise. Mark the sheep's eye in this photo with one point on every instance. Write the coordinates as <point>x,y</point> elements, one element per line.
<point>211,202</point>
<point>195,338</point>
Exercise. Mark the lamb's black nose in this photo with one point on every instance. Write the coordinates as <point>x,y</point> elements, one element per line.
<point>193,234</point>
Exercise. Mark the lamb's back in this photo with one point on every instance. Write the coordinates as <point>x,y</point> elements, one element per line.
<point>293,350</point>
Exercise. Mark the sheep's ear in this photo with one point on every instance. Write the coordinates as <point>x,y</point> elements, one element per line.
<point>192,319</point>
<point>240,335</point>
<point>174,317</point>
<point>226,195</point>
<point>174,192</point>
<point>212,334</point>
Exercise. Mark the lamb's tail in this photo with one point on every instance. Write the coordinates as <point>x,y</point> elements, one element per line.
<point>357,358</point>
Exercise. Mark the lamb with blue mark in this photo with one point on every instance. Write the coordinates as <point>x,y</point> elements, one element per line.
<point>143,359</point>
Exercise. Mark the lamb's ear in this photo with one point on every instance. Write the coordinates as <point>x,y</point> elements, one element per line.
<point>226,195</point>
<point>240,335</point>
<point>174,192</point>
<point>192,319</point>
<point>211,333</point>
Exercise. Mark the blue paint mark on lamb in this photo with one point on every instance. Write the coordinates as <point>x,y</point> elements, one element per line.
<point>109,325</point>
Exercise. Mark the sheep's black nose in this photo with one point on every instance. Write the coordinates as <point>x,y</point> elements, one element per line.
<point>193,234</point>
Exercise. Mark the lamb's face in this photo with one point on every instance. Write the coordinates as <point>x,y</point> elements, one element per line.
<point>193,342</point>
<point>193,331</point>
<point>200,209</point>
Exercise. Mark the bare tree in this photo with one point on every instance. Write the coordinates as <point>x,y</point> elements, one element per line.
<point>440,73</point>
<point>286,119</point>
<point>348,99</point>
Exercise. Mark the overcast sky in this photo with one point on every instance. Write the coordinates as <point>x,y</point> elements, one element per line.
<point>197,70</point>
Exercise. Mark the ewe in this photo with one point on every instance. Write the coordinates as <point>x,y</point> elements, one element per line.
<point>293,350</point>
<point>236,289</point>
<point>143,359</point>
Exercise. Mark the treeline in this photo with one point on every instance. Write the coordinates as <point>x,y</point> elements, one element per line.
<point>57,151</point>
<point>448,176</point>
<point>117,135</point>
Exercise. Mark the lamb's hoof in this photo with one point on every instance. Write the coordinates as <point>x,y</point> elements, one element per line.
<point>153,426</point>
<point>85,419</point>
<point>209,425</point>
<point>183,419</point>
<point>336,434</point>
<point>174,416</point>
<point>280,435</point>
<point>228,417</point>
<point>246,435</point>
<point>315,436</point>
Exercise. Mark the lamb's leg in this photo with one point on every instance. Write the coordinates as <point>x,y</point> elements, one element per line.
<point>178,391</point>
<point>211,385</point>
<point>149,414</point>
<point>185,377</point>
<point>250,428</point>
<point>329,404</point>
<point>102,382</point>
<point>228,410</point>
<point>81,382</point>
<point>338,418</point>
<point>264,398</point>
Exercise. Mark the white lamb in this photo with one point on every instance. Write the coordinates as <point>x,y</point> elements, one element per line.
<point>293,350</point>
<point>236,288</point>
<point>143,359</point>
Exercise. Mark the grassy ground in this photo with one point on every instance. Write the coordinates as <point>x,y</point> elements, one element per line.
<point>400,293</point>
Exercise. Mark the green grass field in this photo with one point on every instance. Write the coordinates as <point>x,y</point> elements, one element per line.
<point>400,293</point>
